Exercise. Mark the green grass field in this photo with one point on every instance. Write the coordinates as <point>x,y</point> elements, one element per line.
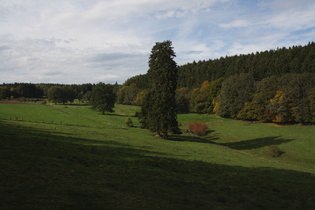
<point>70,157</point>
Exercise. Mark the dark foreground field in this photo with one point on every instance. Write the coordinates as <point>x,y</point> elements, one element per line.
<point>57,157</point>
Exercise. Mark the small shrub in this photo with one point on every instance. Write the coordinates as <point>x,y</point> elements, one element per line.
<point>274,151</point>
<point>197,128</point>
<point>129,122</point>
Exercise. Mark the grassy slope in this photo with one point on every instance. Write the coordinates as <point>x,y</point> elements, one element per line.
<point>73,157</point>
<point>298,142</point>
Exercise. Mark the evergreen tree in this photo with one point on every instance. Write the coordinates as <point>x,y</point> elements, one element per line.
<point>103,98</point>
<point>158,112</point>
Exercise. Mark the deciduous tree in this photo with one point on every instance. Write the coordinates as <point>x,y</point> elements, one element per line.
<point>103,98</point>
<point>56,95</point>
<point>235,92</point>
<point>59,94</point>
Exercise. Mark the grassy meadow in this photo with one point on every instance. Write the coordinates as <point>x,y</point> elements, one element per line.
<point>70,157</point>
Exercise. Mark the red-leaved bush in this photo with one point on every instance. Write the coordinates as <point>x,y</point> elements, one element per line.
<point>197,128</point>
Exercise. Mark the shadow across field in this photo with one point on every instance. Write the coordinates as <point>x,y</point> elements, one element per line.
<point>192,138</point>
<point>240,145</point>
<point>77,105</point>
<point>49,170</point>
<point>257,143</point>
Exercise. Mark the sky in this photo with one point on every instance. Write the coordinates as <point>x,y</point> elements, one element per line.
<point>91,41</point>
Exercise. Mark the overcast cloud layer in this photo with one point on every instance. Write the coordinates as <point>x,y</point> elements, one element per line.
<point>90,41</point>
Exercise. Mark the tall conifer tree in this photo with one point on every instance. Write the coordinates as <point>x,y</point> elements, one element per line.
<point>158,112</point>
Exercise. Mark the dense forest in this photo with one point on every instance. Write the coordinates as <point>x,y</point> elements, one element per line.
<point>296,59</point>
<point>275,85</point>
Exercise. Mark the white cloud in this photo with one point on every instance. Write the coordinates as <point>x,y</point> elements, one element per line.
<point>240,48</point>
<point>291,15</point>
<point>116,9</point>
<point>235,23</point>
<point>107,77</point>
<point>42,60</point>
<point>75,41</point>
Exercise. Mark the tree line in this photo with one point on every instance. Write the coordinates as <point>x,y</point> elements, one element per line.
<point>296,59</point>
<point>57,93</point>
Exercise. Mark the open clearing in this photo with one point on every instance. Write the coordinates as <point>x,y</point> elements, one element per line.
<point>70,157</point>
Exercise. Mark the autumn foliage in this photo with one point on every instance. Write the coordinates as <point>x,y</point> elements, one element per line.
<point>197,128</point>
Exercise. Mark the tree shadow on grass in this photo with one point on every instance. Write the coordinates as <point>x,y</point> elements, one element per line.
<point>256,143</point>
<point>77,105</point>
<point>240,145</point>
<point>117,115</point>
<point>192,138</point>
<point>112,114</point>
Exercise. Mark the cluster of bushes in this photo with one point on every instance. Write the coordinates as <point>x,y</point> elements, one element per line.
<point>197,128</point>
<point>274,151</point>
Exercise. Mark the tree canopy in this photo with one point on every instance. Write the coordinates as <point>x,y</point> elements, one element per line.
<point>58,94</point>
<point>102,98</point>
